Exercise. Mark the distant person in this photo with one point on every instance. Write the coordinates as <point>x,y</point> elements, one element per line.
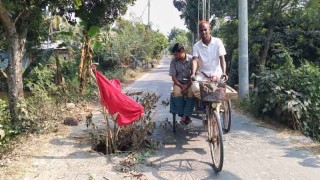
<point>182,100</point>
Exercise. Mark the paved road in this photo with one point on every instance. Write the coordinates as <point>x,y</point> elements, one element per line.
<point>251,151</point>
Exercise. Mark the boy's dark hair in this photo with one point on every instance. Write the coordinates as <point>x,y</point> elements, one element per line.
<point>177,48</point>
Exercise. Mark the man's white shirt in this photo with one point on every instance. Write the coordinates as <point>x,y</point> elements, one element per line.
<point>209,56</point>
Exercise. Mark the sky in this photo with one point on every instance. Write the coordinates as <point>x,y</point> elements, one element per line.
<point>163,15</point>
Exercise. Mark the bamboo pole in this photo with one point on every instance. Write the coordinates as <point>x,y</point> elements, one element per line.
<point>108,140</point>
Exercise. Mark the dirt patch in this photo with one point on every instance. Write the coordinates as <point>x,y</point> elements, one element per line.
<point>14,164</point>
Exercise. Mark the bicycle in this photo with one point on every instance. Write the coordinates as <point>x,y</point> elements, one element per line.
<point>217,117</point>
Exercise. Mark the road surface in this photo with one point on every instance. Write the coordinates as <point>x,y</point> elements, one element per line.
<point>251,151</point>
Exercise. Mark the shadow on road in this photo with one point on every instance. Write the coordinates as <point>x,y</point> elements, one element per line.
<point>190,169</point>
<point>185,156</point>
<point>306,159</point>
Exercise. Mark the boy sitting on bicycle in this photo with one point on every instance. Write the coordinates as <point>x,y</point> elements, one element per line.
<point>182,100</point>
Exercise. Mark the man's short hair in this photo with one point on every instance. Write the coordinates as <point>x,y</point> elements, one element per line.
<point>177,48</point>
<point>204,22</point>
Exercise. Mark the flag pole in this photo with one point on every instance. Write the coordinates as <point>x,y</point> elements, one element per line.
<point>107,134</point>
<point>108,141</point>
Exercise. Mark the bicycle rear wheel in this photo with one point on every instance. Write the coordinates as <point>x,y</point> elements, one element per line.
<point>215,138</point>
<point>225,115</point>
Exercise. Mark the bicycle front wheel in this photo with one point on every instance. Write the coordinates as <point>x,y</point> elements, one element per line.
<point>215,138</point>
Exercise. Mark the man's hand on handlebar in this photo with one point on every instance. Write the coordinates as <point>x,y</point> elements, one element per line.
<point>214,78</point>
<point>224,77</point>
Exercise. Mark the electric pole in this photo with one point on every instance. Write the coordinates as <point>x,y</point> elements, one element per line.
<point>149,26</point>
<point>209,13</point>
<point>243,49</point>
<point>204,14</point>
<point>198,19</point>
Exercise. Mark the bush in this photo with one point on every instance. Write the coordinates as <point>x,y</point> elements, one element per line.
<point>5,129</point>
<point>292,96</point>
<point>39,111</point>
<point>116,73</point>
<point>131,137</point>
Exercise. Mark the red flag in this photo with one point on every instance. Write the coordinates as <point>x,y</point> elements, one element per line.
<point>117,102</point>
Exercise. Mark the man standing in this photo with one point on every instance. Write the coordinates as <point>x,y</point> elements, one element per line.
<point>182,100</point>
<point>209,54</point>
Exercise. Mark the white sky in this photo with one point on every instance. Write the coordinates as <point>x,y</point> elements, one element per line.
<point>163,15</point>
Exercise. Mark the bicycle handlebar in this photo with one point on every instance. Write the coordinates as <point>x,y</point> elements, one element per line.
<point>223,79</point>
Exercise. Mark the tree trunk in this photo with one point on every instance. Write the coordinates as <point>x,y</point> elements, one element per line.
<point>59,77</point>
<point>266,46</point>
<point>85,62</point>
<point>16,37</point>
<point>15,84</point>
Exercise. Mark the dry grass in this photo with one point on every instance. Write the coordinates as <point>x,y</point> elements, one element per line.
<point>132,75</point>
<point>297,138</point>
<point>301,142</point>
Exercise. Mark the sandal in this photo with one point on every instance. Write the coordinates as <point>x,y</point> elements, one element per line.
<point>186,121</point>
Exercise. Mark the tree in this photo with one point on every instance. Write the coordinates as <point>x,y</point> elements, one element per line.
<point>130,40</point>
<point>16,19</point>
<point>175,32</point>
<point>180,36</point>
<point>272,12</point>
<point>93,14</point>
<point>300,33</point>
<point>133,41</point>
<point>159,42</point>
<point>189,12</point>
